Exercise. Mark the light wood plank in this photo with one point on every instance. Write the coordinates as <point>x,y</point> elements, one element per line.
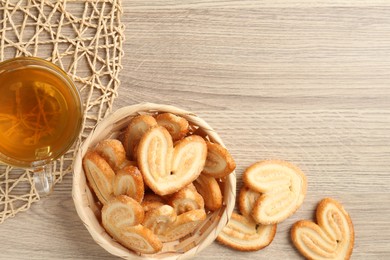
<point>234,58</point>
<point>304,81</point>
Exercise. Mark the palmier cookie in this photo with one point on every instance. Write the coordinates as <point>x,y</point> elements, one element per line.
<point>186,199</point>
<point>332,237</point>
<point>282,187</point>
<point>208,187</point>
<point>137,238</point>
<point>243,234</point>
<point>160,218</point>
<point>100,176</point>
<point>122,211</point>
<point>166,169</point>
<point>185,224</point>
<point>112,151</point>
<point>177,126</point>
<point>219,162</point>
<point>121,218</point>
<point>246,200</point>
<point>135,130</point>
<point>128,163</point>
<point>152,201</point>
<point>128,181</point>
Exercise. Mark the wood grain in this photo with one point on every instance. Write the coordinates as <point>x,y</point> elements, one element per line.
<point>304,81</point>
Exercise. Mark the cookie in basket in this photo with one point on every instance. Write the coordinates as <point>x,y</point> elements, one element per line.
<point>186,199</point>
<point>128,181</point>
<point>134,131</point>
<point>177,126</point>
<point>112,151</point>
<point>121,217</point>
<point>210,190</point>
<point>100,175</point>
<point>167,168</point>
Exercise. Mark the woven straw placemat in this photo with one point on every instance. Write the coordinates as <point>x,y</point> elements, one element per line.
<point>85,39</point>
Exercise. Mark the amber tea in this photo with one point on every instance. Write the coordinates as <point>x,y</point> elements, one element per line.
<point>40,112</point>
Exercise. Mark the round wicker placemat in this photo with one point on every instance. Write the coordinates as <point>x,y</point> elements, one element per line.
<point>85,39</point>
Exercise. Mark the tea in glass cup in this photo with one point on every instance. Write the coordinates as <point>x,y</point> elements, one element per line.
<point>40,116</point>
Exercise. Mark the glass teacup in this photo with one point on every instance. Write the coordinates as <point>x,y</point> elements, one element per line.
<point>40,116</point>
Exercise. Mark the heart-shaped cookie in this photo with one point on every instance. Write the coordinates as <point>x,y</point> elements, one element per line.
<point>152,201</point>
<point>331,238</point>
<point>177,126</point>
<point>184,224</point>
<point>167,169</point>
<point>159,219</point>
<point>282,187</point>
<point>122,211</point>
<point>121,217</point>
<point>135,130</point>
<point>246,200</point>
<point>128,181</point>
<point>242,233</point>
<point>186,199</point>
<point>100,176</point>
<point>219,162</point>
<point>209,188</point>
<point>112,151</point>
<point>137,238</point>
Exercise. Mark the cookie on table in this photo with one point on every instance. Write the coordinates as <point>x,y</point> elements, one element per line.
<point>282,186</point>
<point>332,237</point>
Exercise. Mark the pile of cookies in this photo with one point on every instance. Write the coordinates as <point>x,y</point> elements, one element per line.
<point>157,181</point>
<point>162,178</point>
<point>273,190</point>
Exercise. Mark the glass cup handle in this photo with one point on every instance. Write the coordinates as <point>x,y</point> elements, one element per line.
<point>43,179</point>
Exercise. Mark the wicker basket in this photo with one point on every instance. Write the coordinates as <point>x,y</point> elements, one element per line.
<point>88,210</point>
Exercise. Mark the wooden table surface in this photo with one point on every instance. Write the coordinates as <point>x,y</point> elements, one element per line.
<point>299,80</point>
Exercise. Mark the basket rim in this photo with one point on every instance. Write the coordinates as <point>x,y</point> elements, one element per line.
<point>107,126</point>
